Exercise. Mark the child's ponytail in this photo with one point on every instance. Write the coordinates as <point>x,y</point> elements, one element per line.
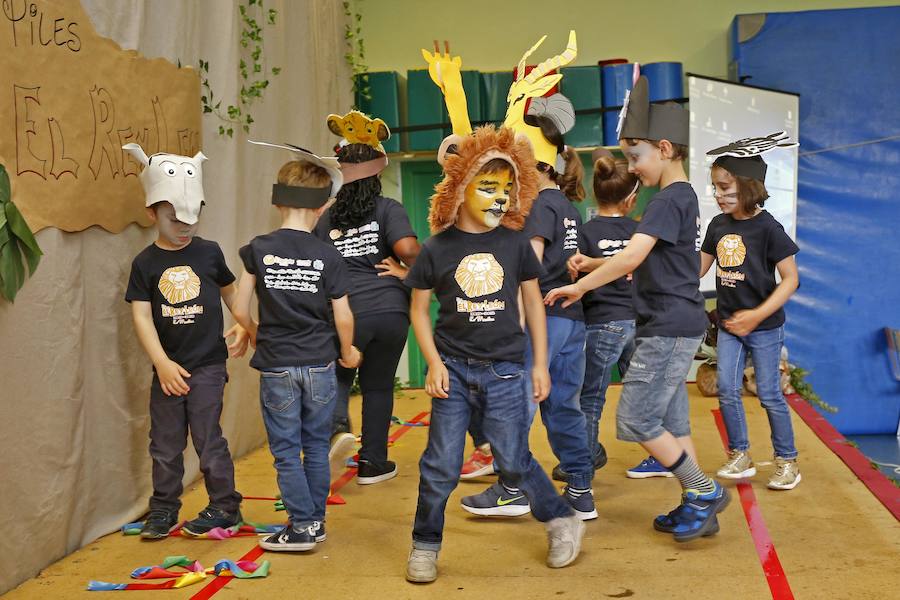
<point>569,181</point>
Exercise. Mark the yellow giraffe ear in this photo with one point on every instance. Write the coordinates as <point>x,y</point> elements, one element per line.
<point>335,124</point>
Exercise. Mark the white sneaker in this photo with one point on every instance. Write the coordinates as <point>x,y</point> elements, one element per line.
<point>565,535</point>
<point>421,566</point>
<point>342,448</point>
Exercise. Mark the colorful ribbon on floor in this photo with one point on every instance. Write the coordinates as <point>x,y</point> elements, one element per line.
<point>398,421</point>
<point>248,528</point>
<point>192,572</point>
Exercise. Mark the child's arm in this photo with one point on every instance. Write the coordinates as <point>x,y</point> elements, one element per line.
<point>171,375</point>
<point>241,338</point>
<point>437,379</point>
<point>536,316</point>
<point>743,322</point>
<point>619,265</point>
<point>240,305</point>
<point>706,261</point>
<point>343,322</point>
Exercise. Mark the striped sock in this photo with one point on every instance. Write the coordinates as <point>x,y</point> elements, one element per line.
<point>576,493</point>
<point>510,490</point>
<point>690,475</point>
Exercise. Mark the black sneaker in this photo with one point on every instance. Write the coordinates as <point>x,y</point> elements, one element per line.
<point>582,503</point>
<point>599,462</point>
<point>340,426</point>
<point>291,539</point>
<point>159,524</point>
<point>210,518</point>
<point>370,473</point>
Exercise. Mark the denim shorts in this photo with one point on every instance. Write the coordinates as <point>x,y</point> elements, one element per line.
<point>654,396</point>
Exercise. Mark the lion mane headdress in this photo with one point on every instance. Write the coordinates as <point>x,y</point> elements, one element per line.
<point>465,152</point>
<point>467,155</point>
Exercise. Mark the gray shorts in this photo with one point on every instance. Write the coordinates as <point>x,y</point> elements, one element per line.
<point>654,396</point>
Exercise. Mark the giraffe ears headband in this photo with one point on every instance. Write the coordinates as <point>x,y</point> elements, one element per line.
<point>743,157</point>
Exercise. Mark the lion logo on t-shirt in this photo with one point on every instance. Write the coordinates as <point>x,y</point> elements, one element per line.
<point>179,284</point>
<point>731,251</point>
<point>479,274</point>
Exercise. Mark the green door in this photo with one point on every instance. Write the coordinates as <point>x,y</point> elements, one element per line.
<point>417,181</point>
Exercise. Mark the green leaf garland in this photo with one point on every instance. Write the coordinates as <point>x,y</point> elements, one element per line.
<point>16,243</point>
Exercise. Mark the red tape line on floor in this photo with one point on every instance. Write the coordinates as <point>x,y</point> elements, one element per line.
<point>765,548</point>
<point>350,473</point>
<point>219,582</point>
<point>877,482</point>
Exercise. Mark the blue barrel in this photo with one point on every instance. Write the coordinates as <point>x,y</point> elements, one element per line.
<point>665,80</point>
<point>616,80</point>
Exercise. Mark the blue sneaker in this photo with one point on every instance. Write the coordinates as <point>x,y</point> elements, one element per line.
<point>696,517</point>
<point>649,467</point>
<point>582,503</point>
<point>667,523</point>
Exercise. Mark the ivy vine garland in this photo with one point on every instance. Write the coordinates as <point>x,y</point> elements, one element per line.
<point>252,71</point>
<point>356,53</point>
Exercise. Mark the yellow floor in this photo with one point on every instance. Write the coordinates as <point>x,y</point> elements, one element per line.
<point>832,537</point>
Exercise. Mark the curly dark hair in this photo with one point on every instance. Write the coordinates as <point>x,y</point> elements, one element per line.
<point>356,200</point>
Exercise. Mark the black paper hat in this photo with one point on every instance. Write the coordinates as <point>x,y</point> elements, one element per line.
<point>742,157</point>
<point>644,121</point>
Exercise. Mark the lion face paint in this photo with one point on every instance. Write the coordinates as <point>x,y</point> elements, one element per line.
<point>487,197</point>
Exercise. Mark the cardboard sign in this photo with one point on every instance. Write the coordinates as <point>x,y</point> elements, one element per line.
<point>69,101</point>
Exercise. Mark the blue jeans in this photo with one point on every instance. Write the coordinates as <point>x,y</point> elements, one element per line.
<point>297,403</point>
<point>497,389</point>
<point>765,351</point>
<point>654,396</point>
<point>607,344</point>
<point>561,412</point>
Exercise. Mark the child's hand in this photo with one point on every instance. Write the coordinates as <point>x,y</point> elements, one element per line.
<point>742,322</point>
<point>171,378</point>
<point>390,267</point>
<point>238,347</point>
<point>351,359</point>
<point>437,381</point>
<point>573,265</point>
<point>540,381</point>
<point>572,293</point>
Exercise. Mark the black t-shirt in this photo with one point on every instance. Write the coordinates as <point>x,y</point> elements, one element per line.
<point>667,296</point>
<point>746,253</point>
<point>476,278</point>
<point>364,247</point>
<point>297,276</point>
<point>604,237</point>
<point>553,218</point>
<point>183,288</point>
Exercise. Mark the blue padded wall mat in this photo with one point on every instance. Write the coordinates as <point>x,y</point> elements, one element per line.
<point>845,64</point>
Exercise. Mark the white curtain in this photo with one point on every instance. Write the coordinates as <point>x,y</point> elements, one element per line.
<point>74,381</point>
